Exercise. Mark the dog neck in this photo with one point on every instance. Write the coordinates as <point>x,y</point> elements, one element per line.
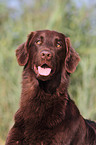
<point>51,95</point>
<point>51,85</point>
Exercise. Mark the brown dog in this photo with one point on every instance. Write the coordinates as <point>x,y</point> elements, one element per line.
<point>47,115</point>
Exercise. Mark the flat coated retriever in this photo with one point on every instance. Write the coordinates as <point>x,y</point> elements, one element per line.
<point>47,115</point>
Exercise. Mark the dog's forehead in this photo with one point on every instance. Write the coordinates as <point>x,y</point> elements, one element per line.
<point>49,34</point>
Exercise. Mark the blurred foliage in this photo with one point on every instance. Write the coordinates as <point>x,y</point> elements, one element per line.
<point>77,22</point>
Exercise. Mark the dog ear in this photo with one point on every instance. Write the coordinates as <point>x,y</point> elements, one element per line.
<point>22,51</point>
<point>72,58</point>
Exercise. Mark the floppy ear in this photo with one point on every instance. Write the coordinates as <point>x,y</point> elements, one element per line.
<point>22,51</point>
<point>72,58</point>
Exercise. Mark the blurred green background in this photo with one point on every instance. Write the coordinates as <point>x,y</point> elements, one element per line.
<point>74,18</point>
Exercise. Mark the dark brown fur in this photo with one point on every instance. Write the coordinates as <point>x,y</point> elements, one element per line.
<point>47,115</point>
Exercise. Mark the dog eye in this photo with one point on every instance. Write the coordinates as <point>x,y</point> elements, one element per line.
<point>58,45</point>
<point>39,42</point>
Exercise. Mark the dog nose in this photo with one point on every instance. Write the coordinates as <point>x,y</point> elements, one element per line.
<point>46,55</point>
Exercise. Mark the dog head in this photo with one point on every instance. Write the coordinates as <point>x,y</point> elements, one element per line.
<point>46,53</point>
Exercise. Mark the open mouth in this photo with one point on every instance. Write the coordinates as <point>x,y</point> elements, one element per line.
<point>43,70</point>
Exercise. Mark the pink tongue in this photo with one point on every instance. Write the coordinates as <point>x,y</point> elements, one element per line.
<point>44,71</point>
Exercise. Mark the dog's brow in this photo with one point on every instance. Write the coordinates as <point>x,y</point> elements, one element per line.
<point>41,37</point>
<point>58,39</point>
